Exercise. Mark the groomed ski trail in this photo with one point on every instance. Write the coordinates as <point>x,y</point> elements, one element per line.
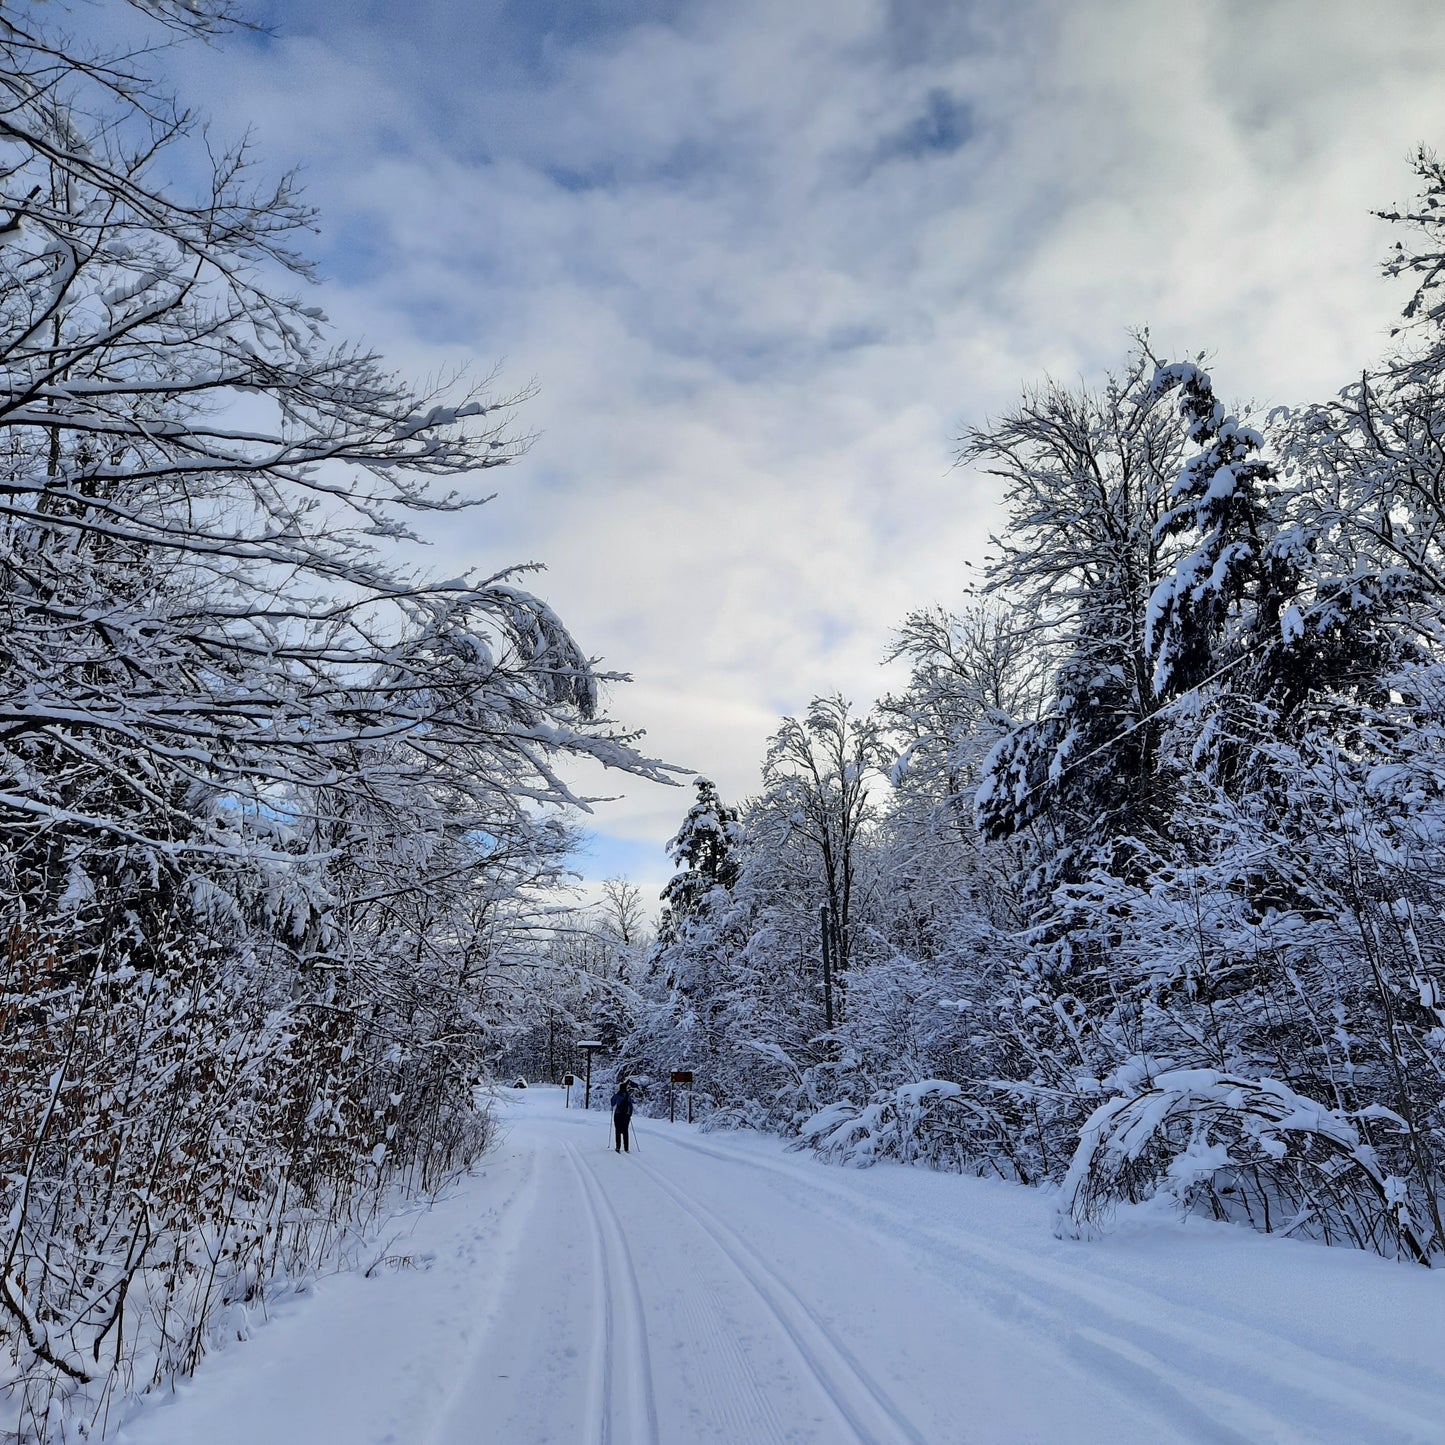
<point>864,1409</point>
<point>1226,1379</point>
<point>622,1371</point>
<point>715,1290</point>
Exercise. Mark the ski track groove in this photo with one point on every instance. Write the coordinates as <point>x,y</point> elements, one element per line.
<point>1093,1323</point>
<point>615,1258</point>
<point>843,1381</point>
<point>726,1376</point>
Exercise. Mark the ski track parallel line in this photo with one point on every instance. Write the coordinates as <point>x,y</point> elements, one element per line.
<point>642,1397</point>
<point>599,1426</point>
<point>1057,1299</point>
<point>841,1378</point>
<point>1132,1377</point>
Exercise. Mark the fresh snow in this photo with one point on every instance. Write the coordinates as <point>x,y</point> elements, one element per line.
<point>717,1288</point>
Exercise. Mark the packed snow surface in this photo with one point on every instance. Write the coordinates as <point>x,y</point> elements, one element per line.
<point>715,1288</point>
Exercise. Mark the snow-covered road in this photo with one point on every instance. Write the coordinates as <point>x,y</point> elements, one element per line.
<point>713,1288</point>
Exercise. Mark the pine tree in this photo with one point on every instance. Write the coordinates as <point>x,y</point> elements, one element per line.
<point>704,851</point>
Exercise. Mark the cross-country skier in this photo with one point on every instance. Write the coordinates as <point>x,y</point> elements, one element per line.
<point>622,1115</point>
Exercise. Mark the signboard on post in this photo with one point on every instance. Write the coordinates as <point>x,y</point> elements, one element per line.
<point>679,1076</point>
<point>567,1081</point>
<point>590,1047</point>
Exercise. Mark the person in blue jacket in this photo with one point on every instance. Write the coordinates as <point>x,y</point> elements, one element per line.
<point>622,1116</point>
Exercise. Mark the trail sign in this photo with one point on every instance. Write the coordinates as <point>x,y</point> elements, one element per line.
<point>679,1076</point>
<point>569,1080</point>
<point>588,1047</point>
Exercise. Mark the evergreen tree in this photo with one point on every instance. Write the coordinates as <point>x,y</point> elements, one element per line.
<point>704,851</point>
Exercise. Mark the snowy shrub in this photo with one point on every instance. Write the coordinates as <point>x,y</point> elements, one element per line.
<point>1241,1149</point>
<point>745,1114</point>
<point>933,1123</point>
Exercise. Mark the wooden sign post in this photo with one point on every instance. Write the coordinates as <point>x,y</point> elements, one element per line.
<point>679,1076</point>
<point>568,1080</point>
<point>590,1046</point>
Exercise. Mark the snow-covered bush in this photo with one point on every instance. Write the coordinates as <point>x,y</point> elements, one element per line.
<point>745,1114</point>
<point>1251,1150</point>
<point>933,1122</point>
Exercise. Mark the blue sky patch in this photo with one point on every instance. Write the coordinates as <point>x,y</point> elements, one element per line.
<point>945,126</point>
<point>608,856</point>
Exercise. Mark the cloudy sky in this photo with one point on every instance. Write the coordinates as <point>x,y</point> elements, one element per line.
<point>765,259</point>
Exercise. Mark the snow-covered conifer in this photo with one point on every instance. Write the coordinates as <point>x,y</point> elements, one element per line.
<point>704,850</point>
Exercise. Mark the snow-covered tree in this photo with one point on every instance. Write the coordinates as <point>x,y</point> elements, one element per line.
<point>272,802</point>
<point>704,850</point>
<point>1087,477</point>
<point>816,779</point>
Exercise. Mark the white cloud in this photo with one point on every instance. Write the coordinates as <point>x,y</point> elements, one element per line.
<point>765,262</point>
